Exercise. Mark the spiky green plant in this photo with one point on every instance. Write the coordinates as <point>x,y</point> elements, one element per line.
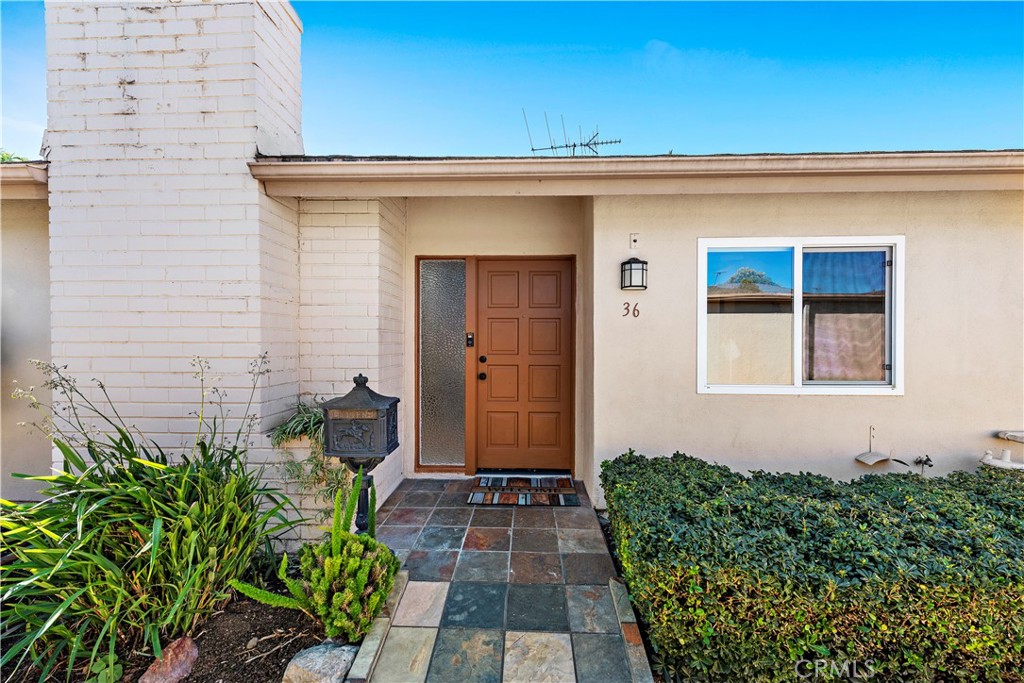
<point>344,580</point>
<point>133,547</point>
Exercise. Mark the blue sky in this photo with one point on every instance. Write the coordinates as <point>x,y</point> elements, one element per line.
<point>776,263</point>
<point>693,78</point>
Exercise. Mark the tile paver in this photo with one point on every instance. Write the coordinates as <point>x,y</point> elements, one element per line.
<point>405,655</point>
<point>450,517</point>
<point>489,516</point>
<point>576,518</point>
<point>535,568</point>
<point>422,604</point>
<point>467,656</point>
<point>482,566</point>
<point>581,541</point>
<point>599,658</point>
<point>403,516</point>
<point>499,593</point>
<point>397,590</point>
<point>532,657</point>
<point>541,518</point>
<point>440,538</point>
<point>621,599</point>
<point>529,540</point>
<point>487,538</point>
<point>454,499</point>
<point>459,485</point>
<point>396,537</point>
<point>475,605</point>
<point>431,565</point>
<point>434,485</point>
<point>363,663</point>
<point>536,608</point>
<point>591,609</point>
<point>636,654</point>
<point>420,499</point>
<point>588,568</point>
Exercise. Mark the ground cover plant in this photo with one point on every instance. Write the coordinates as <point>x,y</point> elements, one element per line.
<point>782,577</point>
<point>132,547</point>
<point>344,580</point>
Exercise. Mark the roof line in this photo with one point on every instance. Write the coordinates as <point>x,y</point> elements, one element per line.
<point>301,158</point>
<point>590,176</point>
<point>640,167</point>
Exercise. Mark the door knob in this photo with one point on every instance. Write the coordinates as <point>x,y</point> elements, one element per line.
<point>482,375</point>
<point>483,359</point>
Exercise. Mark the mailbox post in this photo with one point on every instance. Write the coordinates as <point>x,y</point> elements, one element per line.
<point>361,429</point>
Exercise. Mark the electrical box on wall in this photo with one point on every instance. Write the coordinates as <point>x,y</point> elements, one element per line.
<point>634,240</point>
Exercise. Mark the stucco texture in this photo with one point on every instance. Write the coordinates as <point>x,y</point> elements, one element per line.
<point>501,226</point>
<point>24,335</point>
<point>964,333</point>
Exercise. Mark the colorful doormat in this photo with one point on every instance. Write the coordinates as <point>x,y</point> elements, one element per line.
<point>551,491</point>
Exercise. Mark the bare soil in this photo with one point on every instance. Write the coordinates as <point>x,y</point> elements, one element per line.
<point>246,642</point>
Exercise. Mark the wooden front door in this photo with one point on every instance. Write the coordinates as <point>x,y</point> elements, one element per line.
<point>524,366</point>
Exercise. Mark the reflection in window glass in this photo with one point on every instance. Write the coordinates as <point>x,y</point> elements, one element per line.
<point>844,315</point>
<point>750,316</point>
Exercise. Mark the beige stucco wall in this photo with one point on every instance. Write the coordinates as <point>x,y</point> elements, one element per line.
<point>494,226</point>
<point>585,350</point>
<point>24,335</point>
<point>964,333</point>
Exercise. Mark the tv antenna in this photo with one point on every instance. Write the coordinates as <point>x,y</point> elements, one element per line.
<point>585,146</point>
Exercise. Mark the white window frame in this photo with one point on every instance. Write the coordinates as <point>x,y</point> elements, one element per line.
<point>894,302</point>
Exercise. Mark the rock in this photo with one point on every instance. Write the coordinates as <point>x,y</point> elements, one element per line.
<point>320,664</point>
<point>253,642</point>
<point>177,662</point>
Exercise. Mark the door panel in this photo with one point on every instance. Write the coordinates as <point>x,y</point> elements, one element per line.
<point>524,401</point>
<point>503,383</point>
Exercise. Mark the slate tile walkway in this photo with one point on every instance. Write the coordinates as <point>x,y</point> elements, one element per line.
<point>499,595</point>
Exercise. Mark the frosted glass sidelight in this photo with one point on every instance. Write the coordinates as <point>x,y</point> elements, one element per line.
<point>442,380</point>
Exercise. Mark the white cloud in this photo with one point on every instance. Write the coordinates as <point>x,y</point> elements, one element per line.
<point>666,60</point>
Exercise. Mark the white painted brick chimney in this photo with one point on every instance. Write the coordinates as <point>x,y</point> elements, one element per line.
<point>163,247</point>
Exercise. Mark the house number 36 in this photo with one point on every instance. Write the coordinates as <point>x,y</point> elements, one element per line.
<point>630,309</point>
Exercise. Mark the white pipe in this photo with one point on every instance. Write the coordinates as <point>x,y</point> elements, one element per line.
<point>1005,462</point>
<point>1011,436</point>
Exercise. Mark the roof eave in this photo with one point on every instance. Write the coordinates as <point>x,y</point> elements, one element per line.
<point>643,175</point>
<point>23,180</point>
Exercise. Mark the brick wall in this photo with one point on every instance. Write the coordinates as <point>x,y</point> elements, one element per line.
<point>278,79</point>
<point>164,247</point>
<point>351,256</point>
<point>162,244</point>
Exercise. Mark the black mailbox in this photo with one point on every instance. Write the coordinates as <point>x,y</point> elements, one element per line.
<point>360,427</point>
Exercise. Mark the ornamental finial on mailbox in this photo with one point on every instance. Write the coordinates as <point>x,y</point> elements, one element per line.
<point>360,380</point>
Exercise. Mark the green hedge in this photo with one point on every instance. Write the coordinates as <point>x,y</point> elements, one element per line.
<point>783,577</point>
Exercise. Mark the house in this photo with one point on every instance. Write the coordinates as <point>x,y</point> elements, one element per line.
<point>791,301</point>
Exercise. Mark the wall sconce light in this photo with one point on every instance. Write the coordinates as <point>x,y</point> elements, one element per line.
<point>634,274</point>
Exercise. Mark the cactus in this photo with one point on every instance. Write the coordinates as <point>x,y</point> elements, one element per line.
<point>344,579</point>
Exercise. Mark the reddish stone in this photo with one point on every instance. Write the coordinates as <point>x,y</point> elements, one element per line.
<point>177,662</point>
<point>629,632</point>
